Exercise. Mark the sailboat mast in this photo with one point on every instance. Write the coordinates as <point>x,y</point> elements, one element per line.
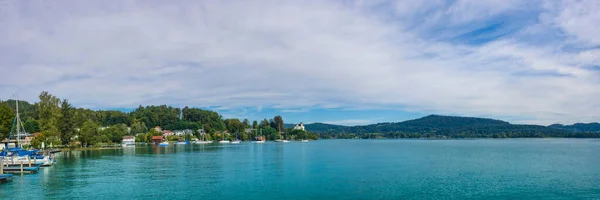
<point>18,122</point>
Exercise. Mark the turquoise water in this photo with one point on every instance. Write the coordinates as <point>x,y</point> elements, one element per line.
<point>325,169</point>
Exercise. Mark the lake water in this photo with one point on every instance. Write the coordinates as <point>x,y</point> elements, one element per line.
<point>325,169</point>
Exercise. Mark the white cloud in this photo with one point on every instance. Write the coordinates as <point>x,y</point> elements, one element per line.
<point>349,122</point>
<point>578,18</point>
<point>289,55</point>
<point>295,110</point>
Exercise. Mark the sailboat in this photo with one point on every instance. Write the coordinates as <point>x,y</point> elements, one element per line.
<point>259,139</point>
<point>236,141</point>
<point>282,139</point>
<point>223,141</point>
<point>304,140</point>
<point>203,141</point>
<point>18,155</point>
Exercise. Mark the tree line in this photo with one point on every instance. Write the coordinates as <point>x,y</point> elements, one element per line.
<point>56,121</point>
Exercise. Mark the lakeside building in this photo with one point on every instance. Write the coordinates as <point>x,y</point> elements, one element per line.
<point>299,126</point>
<point>158,139</point>
<point>183,132</point>
<point>128,141</point>
<point>167,133</point>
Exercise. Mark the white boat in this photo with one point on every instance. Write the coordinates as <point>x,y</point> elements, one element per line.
<point>236,141</point>
<point>46,161</point>
<point>180,143</point>
<point>260,139</point>
<point>202,142</point>
<point>282,140</point>
<point>163,144</point>
<point>223,141</point>
<point>304,140</point>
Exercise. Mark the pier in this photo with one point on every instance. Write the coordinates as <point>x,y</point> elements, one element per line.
<point>19,168</point>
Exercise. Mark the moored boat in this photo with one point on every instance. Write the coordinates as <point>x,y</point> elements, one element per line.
<point>182,142</point>
<point>202,142</point>
<point>5,178</point>
<point>260,139</point>
<point>163,144</point>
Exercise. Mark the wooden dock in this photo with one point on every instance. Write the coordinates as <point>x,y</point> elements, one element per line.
<point>6,168</point>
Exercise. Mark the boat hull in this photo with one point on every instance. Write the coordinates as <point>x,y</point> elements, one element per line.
<point>46,161</point>
<point>5,178</point>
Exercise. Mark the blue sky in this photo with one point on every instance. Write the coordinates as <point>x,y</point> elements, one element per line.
<point>345,62</point>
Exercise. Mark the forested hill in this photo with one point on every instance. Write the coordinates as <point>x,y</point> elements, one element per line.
<point>579,127</point>
<point>448,126</point>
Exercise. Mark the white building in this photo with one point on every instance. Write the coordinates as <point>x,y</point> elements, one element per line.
<point>299,126</point>
<point>183,132</point>
<point>168,133</point>
<point>128,141</point>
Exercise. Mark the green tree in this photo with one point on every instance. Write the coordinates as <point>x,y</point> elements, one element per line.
<point>114,133</point>
<point>141,137</point>
<point>7,117</point>
<point>32,125</point>
<point>154,132</point>
<point>270,133</point>
<point>235,126</point>
<point>138,127</point>
<point>246,123</point>
<point>254,124</point>
<point>67,124</point>
<point>88,135</point>
<point>48,112</point>
<point>264,123</point>
<point>279,126</point>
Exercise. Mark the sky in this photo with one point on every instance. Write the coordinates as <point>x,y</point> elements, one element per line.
<point>344,62</point>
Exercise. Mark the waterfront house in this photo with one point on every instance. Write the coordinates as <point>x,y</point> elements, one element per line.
<point>182,132</point>
<point>167,133</point>
<point>128,141</point>
<point>11,144</point>
<point>158,139</point>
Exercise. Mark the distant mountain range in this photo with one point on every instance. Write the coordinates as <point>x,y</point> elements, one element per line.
<point>456,127</point>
